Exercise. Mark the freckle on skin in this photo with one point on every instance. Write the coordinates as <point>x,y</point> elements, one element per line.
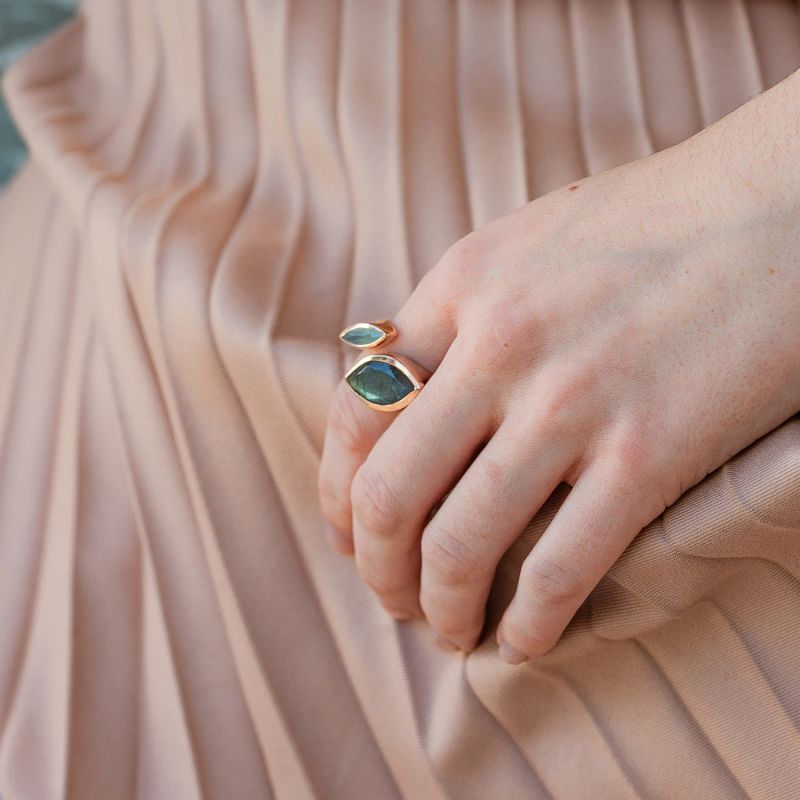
<point>573,187</point>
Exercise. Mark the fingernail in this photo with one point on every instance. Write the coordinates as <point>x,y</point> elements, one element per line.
<point>445,644</point>
<point>510,654</point>
<point>338,540</point>
<point>401,614</point>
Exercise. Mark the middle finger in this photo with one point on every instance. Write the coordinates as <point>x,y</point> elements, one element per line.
<point>480,519</point>
<point>408,471</point>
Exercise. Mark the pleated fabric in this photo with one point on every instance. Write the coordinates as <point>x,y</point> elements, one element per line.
<point>216,190</point>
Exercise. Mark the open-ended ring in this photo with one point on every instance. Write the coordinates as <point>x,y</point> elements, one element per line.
<point>383,381</point>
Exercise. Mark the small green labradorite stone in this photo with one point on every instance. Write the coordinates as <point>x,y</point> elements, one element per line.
<point>363,336</point>
<point>380,383</point>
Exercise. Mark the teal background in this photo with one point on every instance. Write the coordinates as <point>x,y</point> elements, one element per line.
<point>22,22</point>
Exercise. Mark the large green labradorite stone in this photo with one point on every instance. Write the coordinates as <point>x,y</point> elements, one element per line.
<point>380,382</point>
<point>363,336</point>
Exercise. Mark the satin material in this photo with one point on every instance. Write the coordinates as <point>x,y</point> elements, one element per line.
<point>21,23</point>
<point>216,190</point>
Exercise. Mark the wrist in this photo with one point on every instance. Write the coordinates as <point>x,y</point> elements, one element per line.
<point>753,154</point>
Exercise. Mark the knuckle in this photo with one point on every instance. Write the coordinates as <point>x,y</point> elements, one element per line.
<point>552,420</point>
<point>483,344</point>
<point>452,560</point>
<point>628,455</point>
<point>492,471</point>
<point>632,455</point>
<point>555,405</point>
<point>461,260</point>
<point>633,477</point>
<point>499,337</point>
<point>552,583</point>
<point>345,420</point>
<point>562,394</point>
<point>374,501</point>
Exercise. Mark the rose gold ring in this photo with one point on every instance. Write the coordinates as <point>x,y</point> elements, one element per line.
<point>383,381</point>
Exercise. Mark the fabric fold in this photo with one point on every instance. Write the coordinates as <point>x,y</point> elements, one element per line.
<point>215,190</point>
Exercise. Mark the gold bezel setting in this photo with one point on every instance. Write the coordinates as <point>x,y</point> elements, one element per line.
<point>413,372</point>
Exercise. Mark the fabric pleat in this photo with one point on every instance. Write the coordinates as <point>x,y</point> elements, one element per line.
<point>215,190</point>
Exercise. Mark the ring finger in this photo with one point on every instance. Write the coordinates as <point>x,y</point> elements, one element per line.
<point>480,519</point>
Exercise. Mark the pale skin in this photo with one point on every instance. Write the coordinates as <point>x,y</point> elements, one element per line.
<point>626,334</point>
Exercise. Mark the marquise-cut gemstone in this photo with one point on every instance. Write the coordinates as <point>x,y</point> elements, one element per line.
<point>380,382</point>
<point>365,335</point>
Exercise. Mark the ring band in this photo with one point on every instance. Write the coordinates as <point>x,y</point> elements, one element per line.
<point>384,381</point>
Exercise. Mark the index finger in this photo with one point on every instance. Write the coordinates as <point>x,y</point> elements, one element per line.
<point>352,429</point>
<point>425,330</point>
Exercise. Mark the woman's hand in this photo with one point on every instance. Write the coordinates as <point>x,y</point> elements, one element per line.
<point>626,334</point>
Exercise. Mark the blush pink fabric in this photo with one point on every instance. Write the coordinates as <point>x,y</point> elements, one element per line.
<point>216,189</point>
